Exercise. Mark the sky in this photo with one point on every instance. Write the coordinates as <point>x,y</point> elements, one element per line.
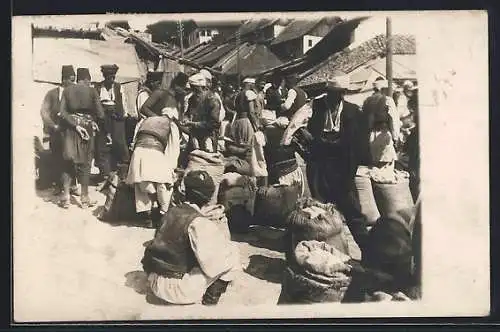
<point>401,21</point>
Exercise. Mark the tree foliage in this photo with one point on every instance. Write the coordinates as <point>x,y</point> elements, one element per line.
<point>168,31</point>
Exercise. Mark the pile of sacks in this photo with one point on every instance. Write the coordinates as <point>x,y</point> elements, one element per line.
<point>382,191</point>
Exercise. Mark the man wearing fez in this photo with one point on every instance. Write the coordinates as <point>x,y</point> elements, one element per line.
<point>111,148</point>
<point>82,116</point>
<point>51,125</point>
<point>202,119</point>
<point>335,152</point>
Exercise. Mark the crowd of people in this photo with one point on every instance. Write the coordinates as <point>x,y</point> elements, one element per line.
<point>258,128</point>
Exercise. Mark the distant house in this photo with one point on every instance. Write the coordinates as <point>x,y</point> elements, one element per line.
<point>206,31</point>
<point>299,36</point>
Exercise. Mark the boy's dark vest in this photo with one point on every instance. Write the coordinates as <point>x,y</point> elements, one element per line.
<point>299,101</point>
<point>154,128</point>
<point>171,250</point>
<point>118,113</point>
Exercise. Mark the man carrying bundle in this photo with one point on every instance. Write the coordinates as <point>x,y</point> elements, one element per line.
<point>190,260</point>
<point>80,112</point>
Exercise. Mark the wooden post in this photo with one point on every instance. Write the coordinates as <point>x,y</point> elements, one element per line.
<point>388,58</point>
<point>181,43</point>
<point>238,57</point>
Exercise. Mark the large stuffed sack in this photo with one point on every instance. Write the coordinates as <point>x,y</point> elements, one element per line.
<point>212,163</point>
<point>320,274</point>
<point>393,196</point>
<point>273,204</point>
<point>312,220</point>
<point>237,196</point>
<point>120,200</point>
<point>365,196</point>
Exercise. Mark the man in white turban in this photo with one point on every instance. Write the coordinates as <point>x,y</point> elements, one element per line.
<point>202,119</point>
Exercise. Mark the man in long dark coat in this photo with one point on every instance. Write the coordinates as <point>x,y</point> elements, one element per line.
<point>51,126</point>
<point>82,115</point>
<point>111,147</point>
<point>335,153</point>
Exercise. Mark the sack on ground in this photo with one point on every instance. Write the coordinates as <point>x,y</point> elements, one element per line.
<point>320,275</point>
<point>365,197</point>
<point>237,196</point>
<point>312,220</point>
<point>393,197</point>
<point>273,204</point>
<point>120,200</point>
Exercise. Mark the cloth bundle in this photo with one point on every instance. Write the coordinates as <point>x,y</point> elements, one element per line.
<point>299,120</point>
<point>216,214</point>
<point>312,220</point>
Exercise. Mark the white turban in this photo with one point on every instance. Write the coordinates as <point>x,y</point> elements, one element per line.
<point>249,80</point>
<point>197,80</point>
<point>206,73</point>
<point>381,84</point>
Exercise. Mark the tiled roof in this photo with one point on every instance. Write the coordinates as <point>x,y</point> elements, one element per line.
<point>348,60</point>
<point>253,60</point>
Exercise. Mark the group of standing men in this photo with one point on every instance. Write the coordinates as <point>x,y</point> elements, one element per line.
<point>85,122</point>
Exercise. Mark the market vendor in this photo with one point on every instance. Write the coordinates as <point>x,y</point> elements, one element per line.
<point>82,115</point>
<point>335,152</point>
<point>190,260</point>
<point>202,118</point>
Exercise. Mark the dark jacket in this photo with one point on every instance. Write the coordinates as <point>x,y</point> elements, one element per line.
<point>50,108</point>
<point>152,131</point>
<point>204,111</point>
<point>349,145</point>
<point>274,99</point>
<point>79,98</point>
<point>299,101</point>
<point>171,250</point>
<point>118,112</point>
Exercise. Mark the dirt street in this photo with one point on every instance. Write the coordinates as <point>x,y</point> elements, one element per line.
<point>68,265</point>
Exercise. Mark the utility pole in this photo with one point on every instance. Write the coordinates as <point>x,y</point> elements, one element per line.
<point>388,58</point>
<point>181,38</point>
<point>238,36</point>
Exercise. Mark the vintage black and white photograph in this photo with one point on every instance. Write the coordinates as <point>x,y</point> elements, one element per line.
<point>186,166</point>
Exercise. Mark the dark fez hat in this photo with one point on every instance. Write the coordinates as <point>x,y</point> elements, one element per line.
<point>82,74</point>
<point>67,71</point>
<point>109,69</point>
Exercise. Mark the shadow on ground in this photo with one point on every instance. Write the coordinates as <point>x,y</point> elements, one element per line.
<point>138,222</point>
<point>266,268</point>
<point>138,281</point>
<point>262,237</point>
